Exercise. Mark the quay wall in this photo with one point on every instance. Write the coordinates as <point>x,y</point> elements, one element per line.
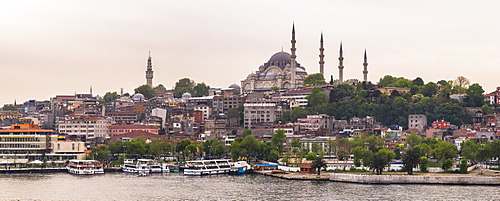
<point>411,179</point>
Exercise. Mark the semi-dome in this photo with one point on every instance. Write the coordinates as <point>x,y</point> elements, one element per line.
<point>281,56</point>
<point>234,86</point>
<point>300,70</point>
<point>138,97</point>
<point>263,75</point>
<point>271,75</point>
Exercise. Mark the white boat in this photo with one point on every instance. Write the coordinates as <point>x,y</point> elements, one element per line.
<point>239,167</point>
<point>142,165</point>
<point>207,167</point>
<point>165,167</point>
<point>85,167</point>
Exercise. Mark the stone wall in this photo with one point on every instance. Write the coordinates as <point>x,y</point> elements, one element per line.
<point>408,179</point>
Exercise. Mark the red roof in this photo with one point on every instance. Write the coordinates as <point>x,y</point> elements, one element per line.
<point>140,134</point>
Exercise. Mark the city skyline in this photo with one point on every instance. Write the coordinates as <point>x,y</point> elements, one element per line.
<point>55,48</point>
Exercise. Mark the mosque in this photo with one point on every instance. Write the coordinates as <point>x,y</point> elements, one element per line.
<point>283,71</point>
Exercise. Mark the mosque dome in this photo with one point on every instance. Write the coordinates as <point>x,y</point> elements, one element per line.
<point>234,86</point>
<point>300,70</point>
<point>271,75</point>
<point>281,56</point>
<point>186,95</point>
<point>138,97</point>
<point>263,75</point>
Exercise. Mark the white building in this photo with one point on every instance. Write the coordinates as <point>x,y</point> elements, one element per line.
<point>91,127</point>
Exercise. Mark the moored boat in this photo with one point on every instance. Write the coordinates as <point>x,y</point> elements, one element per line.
<point>88,167</point>
<point>207,167</point>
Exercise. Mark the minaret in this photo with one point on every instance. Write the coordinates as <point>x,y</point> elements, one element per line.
<point>365,70</point>
<point>90,90</point>
<point>149,72</point>
<point>321,56</point>
<point>293,56</point>
<point>341,65</point>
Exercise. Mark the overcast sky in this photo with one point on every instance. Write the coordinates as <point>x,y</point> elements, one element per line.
<point>50,48</point>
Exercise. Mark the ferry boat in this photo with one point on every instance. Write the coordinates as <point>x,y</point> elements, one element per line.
<point>142,165</point>
<point>207,167</point>
<point>85,167</point>
<point>240,167</point>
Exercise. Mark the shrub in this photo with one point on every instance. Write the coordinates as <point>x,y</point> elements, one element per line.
<point>463,166</point>
<point>424,162</point>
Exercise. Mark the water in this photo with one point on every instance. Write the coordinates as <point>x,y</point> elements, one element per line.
<point>175,186</point>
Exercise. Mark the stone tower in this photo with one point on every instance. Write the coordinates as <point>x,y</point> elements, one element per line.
<point>321,56</point>
<point>292,57</point>
<point>365,69</point>
<point>341,65</point>
<point>149,72</point>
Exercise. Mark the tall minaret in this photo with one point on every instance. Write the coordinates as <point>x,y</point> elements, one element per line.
<point>149,72</point>
<point>293,56</point>
<point>341,65</point>
<point>365,70</point>
<point>321,56</point>
<point>90,90</point>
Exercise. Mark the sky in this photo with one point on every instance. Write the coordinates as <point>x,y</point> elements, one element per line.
<point>50,48</point>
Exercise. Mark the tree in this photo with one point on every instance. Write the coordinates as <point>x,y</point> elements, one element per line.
<point>201,89</point>
<point>475,96</point>
<point>430,89</point>
<point>461,82</point>
<point>311,156</point>
<point>275,88</point>
<point>443,82</point>
<point>386,81</point>
<point>145,90</point>
<point>381,159</point>
<point>445,150</point>
<point>463,166</point>
<point>315,79</point>
<point>411,159</point>
<point>190,150</point>
<point>413,139</point>
<point>9,107</point>
<point>316,97</point>
<point>110,96</point>
<point>160,87</point>
<point>296,145</point>
<point>278,140</point>
<point>341,91</point>
<point>418,81</point>
<point>424,162</point>
<point>182,86</point>
<point>318,163</point>
<point>447,164</point>
<point>181,146</point>
<point>246,132</point>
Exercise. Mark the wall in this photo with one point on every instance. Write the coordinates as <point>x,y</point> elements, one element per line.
<point>408,179</point>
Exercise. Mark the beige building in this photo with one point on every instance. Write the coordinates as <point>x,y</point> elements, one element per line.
<point>88,128</point>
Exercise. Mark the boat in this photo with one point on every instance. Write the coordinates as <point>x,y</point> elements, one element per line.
<point>143,174</point>
<point>88,167</point>
<point>207,167</point>
<point>141,165</point>
<point>165,167</point>
<point>239,167</point>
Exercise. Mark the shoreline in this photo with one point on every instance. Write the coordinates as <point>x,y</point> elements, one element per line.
<point>47,170</point>
<point>387,179</point>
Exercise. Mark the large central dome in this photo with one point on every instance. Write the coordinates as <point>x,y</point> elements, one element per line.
<point>281,56</point>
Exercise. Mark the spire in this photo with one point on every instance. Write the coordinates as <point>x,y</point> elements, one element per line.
<point>282,49</point>
<point>90,90</point>
<point>321,55</point>
<point>331,79</point>
<point>341,64</point>
<point>365,68</point>
<point>149,71</point>
<point>293,56</point>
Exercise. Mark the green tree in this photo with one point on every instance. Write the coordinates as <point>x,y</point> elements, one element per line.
<point>182,86</point>
<point>411,159</point>
<point>318,164</point>
<point>424,162</point>
<point>418,81</point>
<point>413,139</point>
<point>475,97</point>
<point>445,150</point>
<point>110,96</point>
<point>181,146</point>
<point>275,88</point>
<point>296,145</point>
<point>386,81</point>
<point>145,90</point>
<point>381,159</point>
<point>430,89</point>
<point>278,140</point>
<point>342,91</point>
<point>160,87</point>
<point>9,107</point>
<point>315,79</point>
<point>316,97</point>
<point>246,132</point>
<point>463,166</point>
<point>201,89</point>
<point>311,156</point>
<point>190,150</point>
<point>447,164</point>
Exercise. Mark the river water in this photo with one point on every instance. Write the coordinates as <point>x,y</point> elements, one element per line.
<point>175,186</point>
